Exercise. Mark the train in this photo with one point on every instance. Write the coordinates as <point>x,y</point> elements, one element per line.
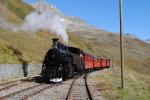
<point>64,62</point>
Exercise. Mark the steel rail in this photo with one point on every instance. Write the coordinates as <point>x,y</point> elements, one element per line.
<point>70,89</point>
<point>17,92</point>
<point>39,91</point>
<point>87,88</point>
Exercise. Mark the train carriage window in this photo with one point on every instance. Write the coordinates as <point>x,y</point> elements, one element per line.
<point>89,58</point>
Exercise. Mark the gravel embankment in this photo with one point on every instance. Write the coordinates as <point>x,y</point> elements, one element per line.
<point>92,86</point>
<point>55,93</point>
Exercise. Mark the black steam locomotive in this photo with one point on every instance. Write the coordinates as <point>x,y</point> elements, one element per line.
<point>62,62</point>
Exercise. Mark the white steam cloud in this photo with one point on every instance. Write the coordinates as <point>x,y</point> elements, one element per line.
<point>43,18</point>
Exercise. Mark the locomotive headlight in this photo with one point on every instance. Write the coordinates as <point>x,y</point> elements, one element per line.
<point>59,68</point>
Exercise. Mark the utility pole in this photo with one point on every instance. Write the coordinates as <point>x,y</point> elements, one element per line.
<point>121,45</point>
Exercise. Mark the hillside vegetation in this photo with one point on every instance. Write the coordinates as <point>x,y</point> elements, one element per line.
<point>17,7</point>
<point>31,47</point>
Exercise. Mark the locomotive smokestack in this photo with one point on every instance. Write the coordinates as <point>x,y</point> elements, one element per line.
<point>55,42</point>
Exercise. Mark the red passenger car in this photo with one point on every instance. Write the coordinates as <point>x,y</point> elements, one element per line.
<point>92,62</point>
<point>88,61</point>
<point>103,62</point>
<point>97,62</point>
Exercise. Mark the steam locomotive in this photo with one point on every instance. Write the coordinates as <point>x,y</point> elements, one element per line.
<point>63,62</point>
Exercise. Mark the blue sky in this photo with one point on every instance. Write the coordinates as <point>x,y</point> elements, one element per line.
<point>104,14</point>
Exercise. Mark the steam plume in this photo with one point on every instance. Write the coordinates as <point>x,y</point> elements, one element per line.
<point>43,18</point>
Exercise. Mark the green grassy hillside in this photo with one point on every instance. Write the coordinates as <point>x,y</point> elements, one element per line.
<point>17,7</point>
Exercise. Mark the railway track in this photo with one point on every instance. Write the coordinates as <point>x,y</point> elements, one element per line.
<point>21,79</point>
<point>73,89</point>
<point>13,83</point>
<point>24,94</point>
<point>35,92</point>
<point>7,86</point>
<point>79,89</point>
<point>22,89</point>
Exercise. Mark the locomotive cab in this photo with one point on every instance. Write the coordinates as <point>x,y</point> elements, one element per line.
<point>77,60</point>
